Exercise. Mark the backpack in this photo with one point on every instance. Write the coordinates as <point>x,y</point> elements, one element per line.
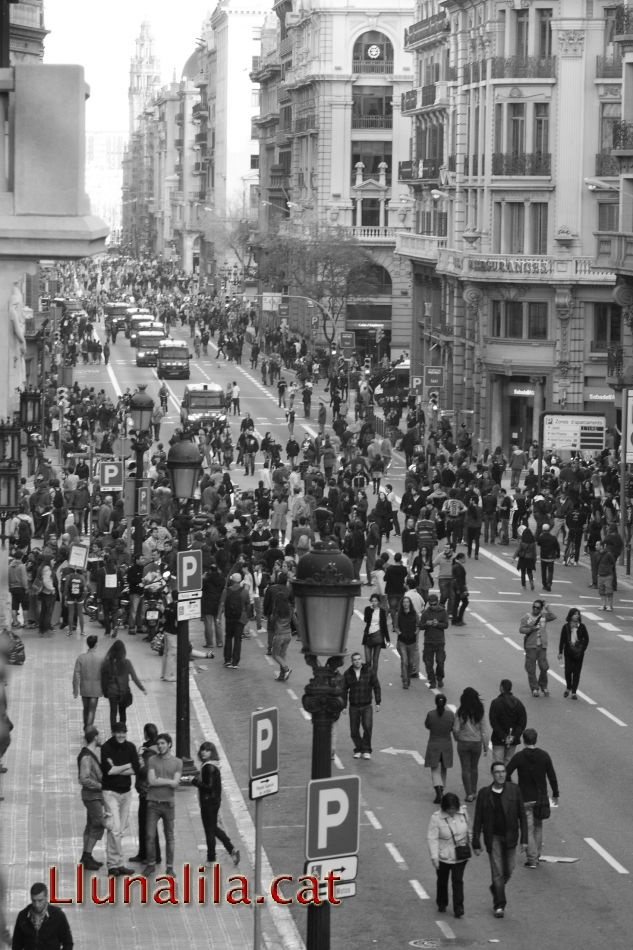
<point>23,531</point>
<point>233,604</point>
<point>76,587</point>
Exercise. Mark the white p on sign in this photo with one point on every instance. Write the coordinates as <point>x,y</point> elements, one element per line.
<point>332,817</point>
<point>111,476</point>
<point>264,745</point>
<point>189,571</point>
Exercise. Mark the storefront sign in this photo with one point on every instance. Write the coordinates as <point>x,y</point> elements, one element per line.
<point>600,397</point>
<point>511,265</point>
<point>520,391</point>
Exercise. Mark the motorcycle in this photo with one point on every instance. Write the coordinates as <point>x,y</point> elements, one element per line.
<point>156,596</point>
<point>94,610</point>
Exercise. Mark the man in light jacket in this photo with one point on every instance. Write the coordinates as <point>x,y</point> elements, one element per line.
<point>87,680</point>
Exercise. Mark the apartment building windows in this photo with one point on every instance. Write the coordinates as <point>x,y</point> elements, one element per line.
<point>371,154</point>
<point>541,127</point>
<point>522,25</point>
<point>372,107</point>
<point>608,216</point>
<point>519,320</point>
<point>517,128</point>
<point>373,53</point>
<point>610,14</point>
<point>607,326</point>
<point>544,33</point>
<point>515,236</point>
<point>538,230</point>
<point>610,114</point>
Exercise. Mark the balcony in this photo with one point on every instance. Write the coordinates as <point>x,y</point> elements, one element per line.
<point>285,47</point>
<point>529,164</point>
<point>526,268</point>
<point>607,165</point>
<point>373,235</point>
<point>201,138</point>
<point>622,136</point>
<point>615,251</point>
<point>608,67</point>
<point>623,20</point>
<point>409,100</point>
<point>306,123</point>
<point>421,169</point>
<point>432,28</point>
<point>474,72</point>
<point>200,111</point>
<point>372,122</point>
<point>519,67</point>
<point>372,66</point>
<point>472,165</point>
<point>279,177</point>
<point>419,247</point>
<point>268,67</point>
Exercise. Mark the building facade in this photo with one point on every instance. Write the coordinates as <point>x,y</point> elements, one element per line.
<point>511,176</point>
<point>331,131</point>
<point>27,31</point>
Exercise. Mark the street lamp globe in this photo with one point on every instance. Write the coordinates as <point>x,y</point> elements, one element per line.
<point>183,465</point>
<point>324,590</point>
<point>141,408</point>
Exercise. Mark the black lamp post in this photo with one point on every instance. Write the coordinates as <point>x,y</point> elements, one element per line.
<point>183,465</point>
<point>141,408</point>
<point>30,409</point>
<point>9,488</point>
<point>324,591</point>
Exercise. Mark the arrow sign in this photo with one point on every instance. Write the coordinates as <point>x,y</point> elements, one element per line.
<point>345,868</point>
<point>416,755</point>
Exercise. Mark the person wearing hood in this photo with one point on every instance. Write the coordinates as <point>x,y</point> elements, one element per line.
<point>508,718</point>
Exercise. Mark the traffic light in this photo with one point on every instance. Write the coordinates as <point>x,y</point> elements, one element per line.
<point>434,401</point>
<point>333,349</point>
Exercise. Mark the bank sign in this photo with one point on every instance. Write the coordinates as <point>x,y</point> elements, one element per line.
<point>574,432</point>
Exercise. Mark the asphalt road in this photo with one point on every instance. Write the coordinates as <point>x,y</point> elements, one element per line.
<point>585,899</point>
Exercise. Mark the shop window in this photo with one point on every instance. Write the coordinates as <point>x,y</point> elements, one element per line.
<point>519,320</point>
<point>607,326</point>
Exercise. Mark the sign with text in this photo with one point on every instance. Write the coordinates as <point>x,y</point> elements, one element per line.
<point>573,431</point>
<point>434,377</point>
<point>348,339</point>
<point>264,742</point>
<point>111,476</point>
<point>78,556</point>
<point>189,571</point>
<point>189,609</point>
<point>332,818</point>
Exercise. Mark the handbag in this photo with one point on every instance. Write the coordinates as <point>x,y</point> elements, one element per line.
<point>462,851</point>
<point>541,808</point>
<point>127,699</point>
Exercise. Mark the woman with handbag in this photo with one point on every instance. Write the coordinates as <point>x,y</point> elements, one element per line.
<point>116,671</point>
<point>572,646</point>
<point>376,633</point>
<point>450,850</point>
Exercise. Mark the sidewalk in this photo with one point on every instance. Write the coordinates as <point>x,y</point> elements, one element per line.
<point>42,817</point>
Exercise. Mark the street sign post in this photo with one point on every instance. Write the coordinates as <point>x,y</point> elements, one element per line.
<point>573,431</point>
<point>434,377</point>
<point>417,385</point>
<point>264,781</point>
<point>189,609</point>
<point>189,571</point>
<point>111,476</point>
<point>332,818</point>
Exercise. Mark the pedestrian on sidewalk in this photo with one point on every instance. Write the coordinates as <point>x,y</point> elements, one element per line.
<point>439,748</point>
<point>87,680</point>
<point>491,800</point>
<point>407,644</point>
<point>533,627</point>
<point>448,829</point>
<point>534,769</point>
<point>433,622</point>
<point>572,646</point>
<point>208,781</point>
<point>508,718</point>
<point>375,633</point>
<point>550,552</point>
<point>471,736</point>
<point>163,778</point>
<point>282,636</point>
<point>460,590</point>
<point>525,555</point>
<point>119,762</point>
<point>359,683</point>
<point>91,781</point>
<point>116,671</point>
<point>41,925</point>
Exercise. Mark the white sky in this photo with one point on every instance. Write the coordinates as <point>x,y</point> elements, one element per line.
<point>102,36</point>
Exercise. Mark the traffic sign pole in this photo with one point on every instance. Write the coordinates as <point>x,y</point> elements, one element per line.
<point>264,780</point>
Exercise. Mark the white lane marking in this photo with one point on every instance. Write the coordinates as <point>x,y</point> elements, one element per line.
<point>419,890</point>
<point>269,660</point>
<point>395,854</point>
<point>485,622</point>
<point>607,857</point>
<point>291,693</point>
<point>509,593</point>
<point>114,380</point>
<point>172,395</point>
<point>605,712</point>
<point>482,578</point>
<point>338,763</point>
<point>588,597</point>
<point>626,636</point>
<point>586,698</point>
<point>610,627</point>
<point>513,644</point>
<point>446,929</point>
<point>371,818</point>
<point>306,715</point>
<point>591,616</point>
<point>481,600</point>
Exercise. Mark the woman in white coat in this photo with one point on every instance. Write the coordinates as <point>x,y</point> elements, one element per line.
<point>448,831</point>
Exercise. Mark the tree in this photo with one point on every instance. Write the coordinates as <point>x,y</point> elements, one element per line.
<point>325,265</point>
<point>232,233</point>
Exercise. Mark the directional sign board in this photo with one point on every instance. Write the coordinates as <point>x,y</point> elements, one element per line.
<point>189,571</point>
<point>332,817</point>
<point>574,432</point>
<point>111,476</point>
<point>264,752</point>
<point>434,377</point>
<point>345,868</point>
<point>348,339</point>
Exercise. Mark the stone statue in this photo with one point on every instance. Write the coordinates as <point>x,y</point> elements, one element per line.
<point>17,342</point>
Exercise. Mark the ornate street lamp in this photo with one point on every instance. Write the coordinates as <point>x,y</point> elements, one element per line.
<point>9,489</point>
<point>141,408</point>
<point>183,466</point>
<point>9,441</point>
<point>30,409</point>
<point>324,591</point>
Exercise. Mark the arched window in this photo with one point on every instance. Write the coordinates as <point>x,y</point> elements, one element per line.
<point>370,280</point>
<point>373,53</point>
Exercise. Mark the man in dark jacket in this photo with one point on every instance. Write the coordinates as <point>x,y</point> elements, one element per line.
<point>108,592</point>
<point>508,719</point>
<point>434,621</point>
<point>41,925</point>
<point>213,584</point>
<point>359,683</point>
<point>500,816</point>
<point>533,767</point>
<point>550,552</point>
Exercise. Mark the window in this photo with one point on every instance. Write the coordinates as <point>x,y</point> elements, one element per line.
<point>610,113</point>
<point>499,137</point>
<point>373,53</point>
<point>515,211</point>
<point>608,216</point>
<point>607,325</point>
<point>522,27</point>
<point>610,14</point>
<point>541,127</point>
<point>517,128</point>
<point>538,237</point>
<point>544,33</point>
<point>254,161</point>
<point>370,212</point>
<point>371,154</point>
<point>519,320</point>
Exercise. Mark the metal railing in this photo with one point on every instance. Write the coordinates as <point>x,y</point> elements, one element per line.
<point>424,29</point>
<point>531,163</point>
<point>474,72</point>
<point>622,135</point>
<point>623,20</point>
<point>523,67</point>
<point>608,67</point>
<point>409,100</point>
<point>372,66</point>
<point>607,164</point>
<point>372,122</point>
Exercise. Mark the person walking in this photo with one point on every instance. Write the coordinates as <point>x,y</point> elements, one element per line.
<point>74,592</point>
<point>434,621</point>
<point>605,573</point>
<point>359,684</point>
<point>447,838</point>
<point>208,781</point>
<point>460,591</point>
<point>508,718</point>
<point>281,637</point>
<point>91,781</point>
<point>471,736</point>
<point>116,671</point>
<point>407,643</point>
<point>87,680</point>
<point>534,629</point>
<point>534,769</point>
<point>41,925</point>
<point>163,778</point>
<point>550,552</point>
<point>572,646</point>
<point>234,607</point>
<point>500,816</point>
<point>439,748</point>
<point>119,762</point>
<point>525,555</point>
<point>376,632</point>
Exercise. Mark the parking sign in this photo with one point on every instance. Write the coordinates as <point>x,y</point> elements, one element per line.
<point>332,817</point>
<point>189,571</point>
<point>111,476</point>
<point>264,745</point>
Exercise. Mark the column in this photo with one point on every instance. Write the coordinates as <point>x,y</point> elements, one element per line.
<point>496,411</point>
<point>539,398</point>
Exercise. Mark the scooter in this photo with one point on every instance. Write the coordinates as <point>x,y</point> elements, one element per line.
<point>156,596</point>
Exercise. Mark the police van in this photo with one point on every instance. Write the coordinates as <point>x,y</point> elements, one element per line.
<point>172,360</point>
<point>203,404</point>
